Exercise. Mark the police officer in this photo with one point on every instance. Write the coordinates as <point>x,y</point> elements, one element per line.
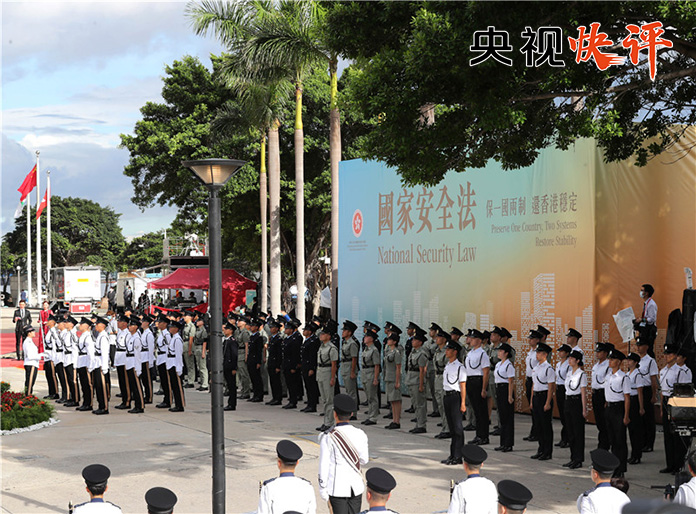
<point>120,362</point>
<point>380,484</point>
<point>543,387</point>
<point>160,500</point>
<point>69,361</point>
<point>49,355</point>
<point>439,363</point>
<point>147,357</point>
<point>162,343</point>
<point>96,478</point>
<point>562,367</point>
<point>85,352</point>
<point>477,370</point>
<point>454,403</point>
<point>513,497</point>
<point>350,349</point>
<point>99,366</point>
<point>175,365</point>
<point>327,367</point>
<point>429,347</point>
<point>475,494</point>
<point>603,497</point>
<point>292,363</point>
<point>415,380</point>
<point>187,337</point>
<point>229,364</point>
<point>599,373</point>
<point>648,374</point>
<point>310,349</point>
<point>504,384</point>
<point>241,335</point>
<point>617,393</point>
<point>367,327</point>
<point>254,360</point>
<point>200,351</point>
<point>392,379</point>
<point>133,365</point>
<point>59,357</point>
<point>576,409</point>
<point>390,329</point>
<point>531,362</point>
<point>410,332</point>
<point>369,375</point>
<point>287,492</point>
<point>275,362</point>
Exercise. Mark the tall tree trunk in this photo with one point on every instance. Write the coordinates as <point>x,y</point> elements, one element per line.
<point>335,155</point>
<point>299,204</point>
<point>263,200</point>
<point>274,189</point>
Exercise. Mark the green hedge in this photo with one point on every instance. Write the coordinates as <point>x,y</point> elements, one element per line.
<point>20,410</point>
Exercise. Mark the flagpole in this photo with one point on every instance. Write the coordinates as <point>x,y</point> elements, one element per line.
<point>28,263</point>
<point>38,233</point>
<point>48,230</point>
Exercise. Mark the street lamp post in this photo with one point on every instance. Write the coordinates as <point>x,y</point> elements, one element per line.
<point>214,173</point>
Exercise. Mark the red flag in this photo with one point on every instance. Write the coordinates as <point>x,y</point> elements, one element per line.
<point>42,205</point>
<point>28,185</point>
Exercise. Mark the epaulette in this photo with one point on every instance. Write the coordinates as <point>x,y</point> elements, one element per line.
<point>310,483</point>
<point>586,493</point>
<point>460,482</point>
<point>113,504</point>
<point>80,505</point>
<point>269,480</point>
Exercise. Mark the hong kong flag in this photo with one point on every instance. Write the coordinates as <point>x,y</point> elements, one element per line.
<point>42,205</point>
<point>28,185</point>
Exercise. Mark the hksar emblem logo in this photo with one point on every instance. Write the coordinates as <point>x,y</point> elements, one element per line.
<point>357,223</point>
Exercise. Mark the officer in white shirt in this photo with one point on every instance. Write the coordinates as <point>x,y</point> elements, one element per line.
<point>99,367</point>
<point>380,484</point>
<point>147,357</point>
<point>133,366</point>
<point>649,373</point>
<point>31,357</point>
<point>531,362</point>
<point>646,325</point>
<point>287,492</point>
<point>603,498</point>
<point>478,367</point>
<point>162,342</point>
<point>513,497</point>
<point>562,367</point>
<point>686,494</point>
<point>617,392</point>
<point>454,399</point>
<point>96,477</point>
<point>599,372</point>
<point>85,354</point>
<point>175,365</point>
<point>504,375</point>
<point>576,409</point>
<point>343,450</point>
<point>543,387</point>
<point>69,360</point>
<point>120,362</point>
<point>475,494</point>
<point>573,340</point>
<point>668,377</point>
<point>49,355</point>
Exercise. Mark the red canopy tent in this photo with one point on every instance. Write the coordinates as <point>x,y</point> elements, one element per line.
<point>234,285</point>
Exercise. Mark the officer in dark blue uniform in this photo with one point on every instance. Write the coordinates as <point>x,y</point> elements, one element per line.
<point>310,347</point>
<point>292,363</point>
<point>275,362</point>
<point>255,360</point>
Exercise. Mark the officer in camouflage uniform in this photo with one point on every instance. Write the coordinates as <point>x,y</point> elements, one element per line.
<point>439,363</point>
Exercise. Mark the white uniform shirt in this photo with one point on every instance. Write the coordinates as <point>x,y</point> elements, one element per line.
<point>577,348</point>
<point>668,377</point>
<point>686,494</point>
<point>476,360</point>
<point>531,362</point>
<point>337,477</point>
<point>648,369</point>
<point>70,347</point>
<point>147,348</point>
<point>603,499</point>
<point>453,375</point>
<point>684,376</point>
<point>57,345</point>
<point>562,369</point>
<point>616,386</point>
<point>85,349</point>
<point>100,358</point>
<point>575,382</point>
<point>31,353</point>
<point>599,373</point>
<point>650,311</point>
<point>503,371</point>
<point>475,495</point>
<point>95,506</point>
<point>49,345</point>
<point>287,493</point>
<point>175,354</point>
<point>635,380</point>
<point>133,345</point>
<point>120,356</point>
<point>162,345</point>
<point>542,376</point>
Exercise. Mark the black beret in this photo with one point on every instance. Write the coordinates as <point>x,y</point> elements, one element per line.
<point>28,330</point>
<point>573,333</point>
<point>633,356</point>
<point>344,404</point>
<point>616,354</point>
<point>160,500</point>
<point>380,480</point>
<point>604,461</point>
<point>543,330</point>
<point>513,495</point>
<point>544,348</point>
<point>505,347</point>
<point>670,348</point>
<point>564,348</point>
<point>576,355</point>
<point>371,326</point>
<point>456,332</point>
<point>96,474</point>
<point>535,334</point>
<point>454,345</point>
<point>475,333</point>
<point>288,451</point>
<point>349,325</point>
<point>474,454</point>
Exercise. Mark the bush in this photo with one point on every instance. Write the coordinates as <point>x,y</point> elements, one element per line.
<point>4,387</point>
<point>20,410</point>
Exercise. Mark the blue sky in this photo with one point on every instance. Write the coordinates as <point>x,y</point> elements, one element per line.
<point>74,76</point>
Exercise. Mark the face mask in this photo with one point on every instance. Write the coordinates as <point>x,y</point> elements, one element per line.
<point>642,294</point>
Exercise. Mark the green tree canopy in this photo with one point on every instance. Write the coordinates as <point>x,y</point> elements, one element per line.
<point>414,54</point>
<point>143,251</point>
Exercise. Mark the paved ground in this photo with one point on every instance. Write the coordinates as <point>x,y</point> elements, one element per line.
<point>41,469</point>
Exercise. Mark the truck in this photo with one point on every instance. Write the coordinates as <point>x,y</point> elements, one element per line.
<point>76,286</point>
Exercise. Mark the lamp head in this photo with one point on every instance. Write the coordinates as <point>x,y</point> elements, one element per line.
<point>214,173</point>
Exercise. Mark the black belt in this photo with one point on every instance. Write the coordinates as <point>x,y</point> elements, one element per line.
<point>368,366</point>
<point>475,378</point>
<point>82,353</point>
<point>439,372</point>
<point>452,393</point>
<point>59,350</point>
<point>97,354</point>
<point>69,353</point>
<point>171,356</point>
<point>615,404</point>
<point>130,354</point>
<point>573,397</point>
<point>541,392</point>
<point>120,350</point>
<point>326,365</point>
<point>346,360</point>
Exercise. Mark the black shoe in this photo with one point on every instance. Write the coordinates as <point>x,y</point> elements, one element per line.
<point>564,444</point>
<point>498,448</point>
<point>410,410</point>
<point>388,416</point>
<point>304,410</point>
<point>229,407</point>
<point>189,386</point>
<point>666,470</point>
<point>634,460</point>
<point>535,456</point>
<point>435,414</point>
<point>575,465</point>
<point>136,411</point>
<point>475,440</point>
<point>147,402</point>
<point>48,397</point>
<point>418,430</point>
<point>123,406</point>
<point>483,441</point>
<point>163,405</point>
<point>84,408</point>
<point>176,409</point>
<point>454,462</point>
<point>469,428</point>
<point>313,409</point>
<point>322,428</point>
<point>506,449</point>
<point>256,400</point>
<point>62,400</point>
<point>71,404</point>
<point>447,461</point>
<point>243,397</point>
<point>530,438</point>
<point>568,464</point>
<point>274,402</point>
<point>545,457</point>
<point>496,432</point>
<point>99,412</point>
<point>364,404</point>
<point>369,422</point>
<point>202,389</point>
<point>353,418</point>
<point>647,449</point>
<point>393,426</point>
<point>290,406</point>
<point>439,424</point>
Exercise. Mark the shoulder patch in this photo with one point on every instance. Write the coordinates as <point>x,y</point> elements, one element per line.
<point>587,493</point>
<point>310,483</point>
<point>269,480</point>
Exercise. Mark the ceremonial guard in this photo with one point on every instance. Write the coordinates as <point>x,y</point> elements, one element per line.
<point>370,377</point>
<point>99,366</point>
<point>649,373</point>
<point>617,392</point>
<point>390,330</point>
<point>120,362</point>
<point>241,335</point>
<point>489,348</point>
<point>637,409</point>
<point>669,376</point>
<point>544,381</point>
<point>160,500</point>
<point>350,349</point>
<point>380,484</point>
<point>367,327</point>
<point>343,451</point>
<point>187,336</point>
<point>162,343</point>
<point>229,364</point>
<point>439,363</point>
<point>133,366</point>
<point>603,498</point>
<point>504,384</point>
<point>411,330</point>
<point>415,380</point>
<point>477,369</point>
<point>96,477</point>
<point>200,350</point>
<point>49,356</point>
<point>310,348</point>
<point>332,327</point>
<point>392,379</point>
<point>85,354</point>
<point>147,357</point>
<point>646,325</point>
<point>531,362</point>
<point>599,373</point>
<point>292,363</point>
<point>275,362</point>
<point>327,367</point>
<point>31,359</point>
<point>576,409</point>
<point>561,372</point>
<point>454,403</point>
<point>69,361</point>
<point>573,340</point>
<point>513,497</point>
<point>475,494</point>
<point>255,360</point>
<point>58,331</point>
<point>287,492</point>
<point>175,365</point>
<point>429,348</point>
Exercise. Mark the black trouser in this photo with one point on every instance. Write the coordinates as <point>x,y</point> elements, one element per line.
<point>60,372</point>
<point>346,505</point>
<point>50,371</point>
<point>534,432</point>
<point>231,381</point>
<point>452,403</point>
<point>648,418</point>
<point>506,415</point>
<point>337,387</point>
<point>123,385</point>
<point>256,380</point>
<point>176,388</point>
<point>276,384</point>
<point>112,354</point>
<point>636,430</point>
<point>648,333</point>
<point>135,387</point>
<point>293,381</point>
<point>30,373</point>
<point>18,345</point>
<point>100,388</point>
<point>669,438</point>
<point>310,382</point>
<point>146,380</point>
<point>616,430</point>
<point>544,419</point>
<point>86,384</point>
<point>575,423</point>
<point>164,383</point>
<point>474,386</point>
<point>71,381</point>
<point>598,402</point>
<point>560,401</point>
